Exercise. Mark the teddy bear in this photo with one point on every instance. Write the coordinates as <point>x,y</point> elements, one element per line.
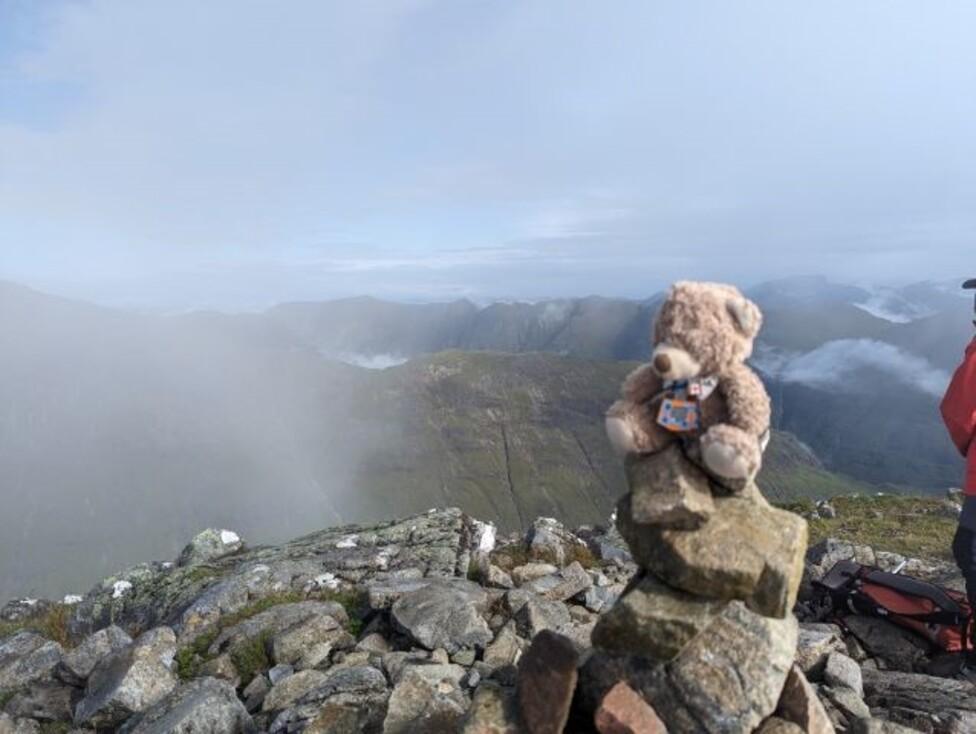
<point>697,388</point>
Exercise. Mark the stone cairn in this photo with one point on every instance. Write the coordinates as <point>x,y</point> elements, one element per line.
<point>703,639</point>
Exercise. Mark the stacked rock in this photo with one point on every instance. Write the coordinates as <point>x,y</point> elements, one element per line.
<point>704,633</point>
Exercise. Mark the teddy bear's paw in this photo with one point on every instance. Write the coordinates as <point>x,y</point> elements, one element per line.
<point>726,461</point>
<point>621,434</point>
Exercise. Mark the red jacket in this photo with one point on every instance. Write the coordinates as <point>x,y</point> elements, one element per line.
<point>959,413</point>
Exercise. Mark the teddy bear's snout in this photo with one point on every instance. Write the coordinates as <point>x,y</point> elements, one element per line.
<point>673,363</point>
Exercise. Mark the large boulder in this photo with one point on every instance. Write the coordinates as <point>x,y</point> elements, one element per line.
<point>654,620</point>
<point>549,541</point>
<point>310,642</point>
<point>383,593</point>
<point>346,717</point>
<point>747,550</point>
<point>505,649</point>
<point>735,669</point>
<point>76,665</point>
<point>22,610</point>
<point>427,698</point>
<point>623,711</point>
<point>288,690</point>
<point>799,704</point>
<point>10,725</point>
<point>562,585</point>
<point>947,705</point>
<point>529,572</point>
<point>445,614</point>
<point>822,557</point>
<point>276,620</point>
<point>361,687</point>
<point>203,705</point>
<point>668,491</point>
<point>901,649</point>
<point>536,614</point>
<point>816,642</point>
<point>546,682</point>
<point>842,672</point>
<point>26,657</point>
<point>493,711</point>
<point>129,681</point>
<point>210,545</point>
<point>52,701</point>
<point>727,679</point>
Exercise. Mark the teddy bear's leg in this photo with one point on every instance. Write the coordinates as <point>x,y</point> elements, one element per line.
<point>731,454</point>
<point>632,429</point>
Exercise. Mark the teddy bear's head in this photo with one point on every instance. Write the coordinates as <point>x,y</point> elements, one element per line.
<point>701,329</point>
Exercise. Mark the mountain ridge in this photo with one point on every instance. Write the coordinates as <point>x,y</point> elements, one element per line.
<point>139,428</point>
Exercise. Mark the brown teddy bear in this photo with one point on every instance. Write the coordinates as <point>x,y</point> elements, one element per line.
<point>697,388</point>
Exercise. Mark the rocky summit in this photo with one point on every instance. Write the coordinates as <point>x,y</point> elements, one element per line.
<point>433,623</point>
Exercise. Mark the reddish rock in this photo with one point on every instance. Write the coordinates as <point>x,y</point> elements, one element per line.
<point>546,682</point>
<point>623,711</point>
<point>800,705</point>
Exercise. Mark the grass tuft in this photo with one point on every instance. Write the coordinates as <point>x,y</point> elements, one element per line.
<point>52,624</point>
<point>582,555</point>
<point>251,657</point>
<point>246,657</point>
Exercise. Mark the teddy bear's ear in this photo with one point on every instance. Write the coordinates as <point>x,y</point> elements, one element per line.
<point>745,315</point>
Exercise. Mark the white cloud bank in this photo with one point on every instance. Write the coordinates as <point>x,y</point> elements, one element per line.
<point>837,364</point>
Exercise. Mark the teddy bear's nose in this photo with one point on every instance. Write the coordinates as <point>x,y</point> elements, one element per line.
<point>662,363</point>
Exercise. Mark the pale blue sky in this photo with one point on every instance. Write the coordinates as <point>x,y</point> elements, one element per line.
<point>235,153</point>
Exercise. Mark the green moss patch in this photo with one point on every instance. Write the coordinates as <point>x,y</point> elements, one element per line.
<point>251,656</point>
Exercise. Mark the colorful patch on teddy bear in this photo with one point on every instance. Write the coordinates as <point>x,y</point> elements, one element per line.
<point>680,410</point>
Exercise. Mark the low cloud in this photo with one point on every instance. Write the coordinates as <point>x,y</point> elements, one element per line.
<point>373,361</point>
<point>838,364</point>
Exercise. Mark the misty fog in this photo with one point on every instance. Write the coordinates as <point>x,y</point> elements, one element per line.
<point>121,436</point>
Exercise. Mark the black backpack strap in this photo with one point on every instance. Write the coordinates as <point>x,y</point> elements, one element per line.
<point>915,587</point>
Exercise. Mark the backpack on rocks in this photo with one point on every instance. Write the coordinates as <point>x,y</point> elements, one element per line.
<point>942,616</point>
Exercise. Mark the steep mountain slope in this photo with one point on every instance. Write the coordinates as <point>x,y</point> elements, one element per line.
<point>891,434</point>
<point>871,355</point>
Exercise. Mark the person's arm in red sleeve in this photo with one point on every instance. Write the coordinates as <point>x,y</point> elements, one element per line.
<point>959,404</point>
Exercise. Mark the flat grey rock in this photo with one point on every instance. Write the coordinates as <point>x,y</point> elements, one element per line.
<point>129,681</point>
<point>842,672</point>
<point>210,545</point>
<point>76,665</point>
<point>445,614</point>
<point>26,657</point>
<point>44,701</point>
<point>203,705</point>
<point>427,698</point>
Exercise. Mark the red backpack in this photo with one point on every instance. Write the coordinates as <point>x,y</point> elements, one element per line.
<point>942,616</point>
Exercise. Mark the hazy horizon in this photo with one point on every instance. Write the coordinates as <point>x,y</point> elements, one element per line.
<point>232,156</point>
<point>948,285</point>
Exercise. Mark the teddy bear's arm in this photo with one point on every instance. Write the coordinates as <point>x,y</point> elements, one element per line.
<point>746,400</point>
<point>641,385</point>
<point>631,422</point>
